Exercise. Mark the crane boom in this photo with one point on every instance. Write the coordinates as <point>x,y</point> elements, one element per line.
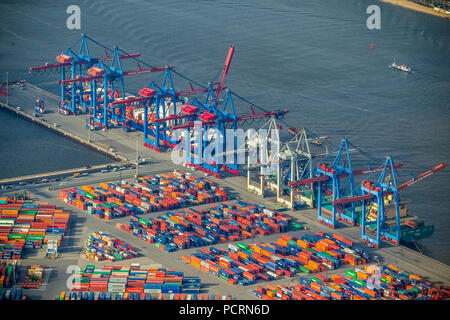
<point>190,124</point>
<point>359,172</point>
<point>402,187</point>
<point>66,64</point>
<point>323,178</point>
<point>177,94</point>
<point>125,73</point>
<point>352,199</point>
<point>225,71</point>
<point>308,181</point>
<point>421,176</point>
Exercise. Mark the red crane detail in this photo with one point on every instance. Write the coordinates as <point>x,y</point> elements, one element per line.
<point>125,73</point>
<point>190,124</point>
<point>323,178</point>
<point>352,199</point>
<point>225,71</point>
<point>66,64</point>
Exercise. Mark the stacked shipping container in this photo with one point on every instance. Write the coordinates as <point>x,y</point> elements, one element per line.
<point>221,223</point>
<point>132,282</point>
<point>367,284</point>
<point>101,246</point>
<point>147,194</point>
<point>25,224</point>
<point>244,264</point>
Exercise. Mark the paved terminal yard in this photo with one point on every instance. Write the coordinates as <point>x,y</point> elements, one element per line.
<point>124,144</point>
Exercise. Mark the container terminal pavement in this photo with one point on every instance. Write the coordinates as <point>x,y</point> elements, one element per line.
<point>81,224</point>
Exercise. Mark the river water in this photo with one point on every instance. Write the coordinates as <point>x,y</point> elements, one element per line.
<point>314,57</point>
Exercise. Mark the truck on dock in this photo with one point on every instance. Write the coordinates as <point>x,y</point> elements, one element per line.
<point>52,249</point>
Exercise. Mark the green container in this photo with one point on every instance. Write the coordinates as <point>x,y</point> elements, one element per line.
<point>88,195</point>
<point>28,212</point>
<point>292,242</point>
<point>143,222</point>
<point>314,279</point>
<point>35,238</point>
<point>312,250</point>
<point>242,246</point>
<point>358,282</point>
<point>296,226</point>
<point>106,205</point>
<point>16,236</point>
<point>303,269</point>
<point>350,273</point>
<point>3,201</point>
<point>223,278</point>
<point>118,256</point>
<point>81,280</point>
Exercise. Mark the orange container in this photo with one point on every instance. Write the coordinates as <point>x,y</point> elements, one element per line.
<point>313,264</point>
<point>302,244</point>
<point>315,286</point>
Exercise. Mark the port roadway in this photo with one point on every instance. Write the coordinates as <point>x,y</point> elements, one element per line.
<point>124,144</point>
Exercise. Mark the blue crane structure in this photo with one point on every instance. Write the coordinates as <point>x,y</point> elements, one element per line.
<point>336,179</point>
<point>380,196</point>
<point>160,104</point>
<point>220,117</point>
<point>163,120</point>
<point>96,86</point>
<point>384,193</point>
<point>90,75</point>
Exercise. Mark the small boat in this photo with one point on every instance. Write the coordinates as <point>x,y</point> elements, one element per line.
<point>401,67</point>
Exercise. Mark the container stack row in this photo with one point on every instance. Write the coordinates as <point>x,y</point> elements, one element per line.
<point>25,224</point>
<point>12,294</point>
<point>372,283</point>
<point>148,194</point>
<point>245,264</point>
<point>139,296</point>
<point>101,246</point>
<point>199,227</point>
<point>33,278</point>
<point>131,282</point>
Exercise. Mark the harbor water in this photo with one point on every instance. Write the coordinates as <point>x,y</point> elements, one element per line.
<point>316,58</point>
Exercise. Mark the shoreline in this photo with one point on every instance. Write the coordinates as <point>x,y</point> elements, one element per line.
<point>417,7</point>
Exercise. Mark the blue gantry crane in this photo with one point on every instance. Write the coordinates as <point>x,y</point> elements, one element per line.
<point>378,198</point>
<point>335,179</point>
<point>93,84</point>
